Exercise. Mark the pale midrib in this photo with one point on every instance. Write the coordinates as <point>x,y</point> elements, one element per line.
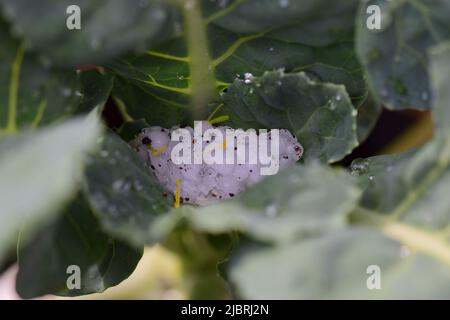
<point>14,90</point>
<point>39,114</point>
<point>421,241</point>
<point>232,49</point>
<point>224,12</point>
<point>432,176</point>
<point>202,82</point>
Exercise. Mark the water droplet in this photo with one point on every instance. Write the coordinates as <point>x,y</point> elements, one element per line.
<point>66,92</point>
<point>354,113</point>
<point>138,185</point>
<point>189,4</point>
<point>284,3</point>
<point>294,179</point>
<point>331,105</point>
<point>177,28</point>
<point>371,178</point>
<point>121,185</point>
<point>338,97</point>
<point>279,83</point>
<point>271,211</point>
<point>359,166</point>
<point>271,49</point>
<point>94,43</point>
<point>248,78</point>
<point>250,91</point>
<point>79,94</point>
<point>404,252</point>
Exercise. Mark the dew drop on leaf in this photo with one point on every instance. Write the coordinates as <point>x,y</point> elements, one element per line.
<point>66,92</point>
<point>248,78</point>
<point>271,211</point>
<point>94,43</point>
<point>122,185</point>
<point>104,153</point>
<point>359,166</point>
<point>138,185</point>
<point>284,3</point>
<point>404,252</point>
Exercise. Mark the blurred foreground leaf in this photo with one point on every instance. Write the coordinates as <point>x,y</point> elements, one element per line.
<point>125,195</point>
<point>297,202</point>
<point>31,93</point>
<point>40,170</point>
<point>73,239</point>
<point>396,56</point>
<point>399,233</point>
<point>109,28</point>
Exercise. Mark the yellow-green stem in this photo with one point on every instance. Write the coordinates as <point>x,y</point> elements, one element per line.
<point>202,80</point>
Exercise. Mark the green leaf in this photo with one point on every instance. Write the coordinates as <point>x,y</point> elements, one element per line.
<point>247,36</point>
<point>95,88</point>
<point>32,94</point>
<point>401,226</point>
<point>335,266</point>
<point>130,129</point>
<point>369,112</point>
<point>407,185</point>
<point>125,195</point>
<point>396,56</point>
<point>73,239</point>
<point>320,115</point>
<point>106,32</point>
<point>136,102</point>
<point>284,207</point>
<point>40,171</point>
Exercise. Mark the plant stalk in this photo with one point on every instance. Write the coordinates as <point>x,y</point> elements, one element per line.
<point>202,81</point>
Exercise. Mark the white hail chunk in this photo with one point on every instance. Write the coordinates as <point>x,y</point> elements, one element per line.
<point>203,183</point>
